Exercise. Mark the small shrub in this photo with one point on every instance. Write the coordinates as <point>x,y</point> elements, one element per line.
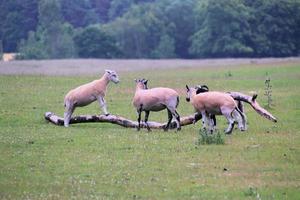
<point>268,92</point>
<point>252,192</point>
<point>228,74</point>
<point>207,138</point>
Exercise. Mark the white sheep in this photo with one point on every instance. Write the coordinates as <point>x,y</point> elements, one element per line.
<point>155,99</point>
<point>216,103</point>
<point>88,93</point>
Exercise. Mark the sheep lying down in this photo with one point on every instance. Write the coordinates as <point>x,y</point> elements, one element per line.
<point>88,93</point>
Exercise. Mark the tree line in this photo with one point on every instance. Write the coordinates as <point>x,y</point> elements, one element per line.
<point>46,29</point>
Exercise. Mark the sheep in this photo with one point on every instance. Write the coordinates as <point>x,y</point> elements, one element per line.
<point>88,93</point>
<point>216,103</point>
<point>204,88</point>
<point>155,99</point>
<point>201,89</point>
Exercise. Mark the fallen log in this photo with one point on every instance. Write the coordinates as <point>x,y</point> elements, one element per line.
<point>254,104</point>
<point>115,119</point>
<point>184,121</point>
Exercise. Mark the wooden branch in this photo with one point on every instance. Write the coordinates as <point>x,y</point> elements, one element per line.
<point>252,101</point>
<point>186,120</point>
<point>114,119</point>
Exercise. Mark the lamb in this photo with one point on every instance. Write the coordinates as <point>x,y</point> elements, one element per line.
<point>88,93</point>
<point>155,99</point>
<point>216,103</point>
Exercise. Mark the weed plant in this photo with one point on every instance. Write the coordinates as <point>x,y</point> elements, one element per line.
<point>205,137</point>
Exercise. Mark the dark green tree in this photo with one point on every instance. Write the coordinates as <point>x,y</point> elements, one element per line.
<point>17,18</point>
<point>78,13</point>
<point>180,16</point>
<point>33,47</point>
<point>137,32</point>
<point>92,42</point>
<point>165,48</point>
<point>1,49</point>
<point>118,8</point>
<point>53,37</point>
<point>102,9</point>
<point>223,30</point>
<point>275,27</point>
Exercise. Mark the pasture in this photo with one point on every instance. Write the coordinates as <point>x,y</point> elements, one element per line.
<point>39,160</point>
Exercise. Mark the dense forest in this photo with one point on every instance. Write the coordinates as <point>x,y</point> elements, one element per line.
<point>46,29</point>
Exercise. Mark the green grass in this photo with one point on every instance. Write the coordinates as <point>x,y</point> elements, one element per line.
<point>103,161</point>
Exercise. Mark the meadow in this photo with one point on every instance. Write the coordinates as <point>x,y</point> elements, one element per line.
<point>39,160</point>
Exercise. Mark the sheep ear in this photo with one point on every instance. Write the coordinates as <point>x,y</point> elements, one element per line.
<point>108,71</point>
<point>187,87</point>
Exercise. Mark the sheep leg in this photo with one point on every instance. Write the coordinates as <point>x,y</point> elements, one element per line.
<point>170,116</point>
<point>197,117</point>
<point>208,121</point>
<point>204,120</point>
<point>69,109</point>
<point>240,117</point>
<point>230,120</point>
<point>177,116</point>
<point>213,117</point>
<point>213,122</point>
<point>146,120</point>
<point>139,111</point>
<point>102,104</point>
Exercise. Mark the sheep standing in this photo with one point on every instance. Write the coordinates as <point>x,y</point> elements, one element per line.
<point>88,93</point>
<point>216,103</point>
<point>201,89</point>
<point>155,99</point>
<point>204,88</point>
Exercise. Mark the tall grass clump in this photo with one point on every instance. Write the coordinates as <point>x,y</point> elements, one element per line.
<point>252,192</point>
<point>268,92</point>
<point>205,137</point>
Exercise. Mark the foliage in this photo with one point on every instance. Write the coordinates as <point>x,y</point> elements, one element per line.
<point>101,8</point>
<point>54,39</point>
<point>205,137</point>
<point>163,29</point>
<point>17,18</point>
<point>274,27</point>
<point>252,192</point>
<point>93,42</point>
<point>1,49</point>
<point>268,92</point>
<point>79,13</point>
<point>165,47</point>
<point>223,30</point>
<point>33,48</point>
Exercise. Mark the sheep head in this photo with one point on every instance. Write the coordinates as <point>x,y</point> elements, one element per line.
<point>112,76</point>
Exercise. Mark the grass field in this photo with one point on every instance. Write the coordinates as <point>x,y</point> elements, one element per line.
<point>39,160</point>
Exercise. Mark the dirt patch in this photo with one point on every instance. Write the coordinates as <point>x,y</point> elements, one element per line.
<point>73,67</point>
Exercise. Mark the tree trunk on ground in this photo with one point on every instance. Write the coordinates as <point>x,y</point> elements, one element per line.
<point>255,105</point>
<point>114,119</point>
<point>186,120</point>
